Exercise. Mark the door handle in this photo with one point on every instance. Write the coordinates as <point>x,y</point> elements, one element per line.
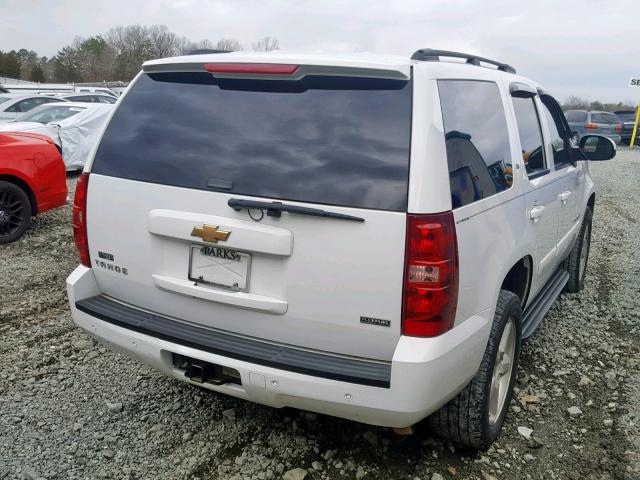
<point>535,213</point>
<point>564,196</point>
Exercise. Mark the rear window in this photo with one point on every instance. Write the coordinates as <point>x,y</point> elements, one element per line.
<point>623,116</point>
<point>4,99</point>
<point>323,139</point>
<point>576,116</point>
<point>604,118</point>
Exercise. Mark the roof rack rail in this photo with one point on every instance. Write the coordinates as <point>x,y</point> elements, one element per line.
<point>430,55</point>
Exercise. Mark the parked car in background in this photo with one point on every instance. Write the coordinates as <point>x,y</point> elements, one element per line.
<point>32,181</point>
<point>628,118</point>
<point>592,122</point>
<point>55,88</point>
<point>89,98</point>
<point>12,105</point>
<point>73,126</point>
<point>103,90</point>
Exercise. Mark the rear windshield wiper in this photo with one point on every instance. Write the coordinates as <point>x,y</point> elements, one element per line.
<point>275,209</point>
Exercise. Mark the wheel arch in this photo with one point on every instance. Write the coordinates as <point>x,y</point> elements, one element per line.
<point>591,203</point>
<point>25,187</point>
<point>518,279</point>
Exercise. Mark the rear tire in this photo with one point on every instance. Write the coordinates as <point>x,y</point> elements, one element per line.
<point>476,415</point>
<point>577,260</point>
<point>15,212</point>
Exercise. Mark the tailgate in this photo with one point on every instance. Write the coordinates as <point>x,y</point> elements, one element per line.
<point>163,237</point>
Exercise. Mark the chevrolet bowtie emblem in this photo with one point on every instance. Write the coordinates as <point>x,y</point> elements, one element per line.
<point>210,233</point>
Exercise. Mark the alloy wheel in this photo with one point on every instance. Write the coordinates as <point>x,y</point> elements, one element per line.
<point>502,370</point>
<point>11,213</point>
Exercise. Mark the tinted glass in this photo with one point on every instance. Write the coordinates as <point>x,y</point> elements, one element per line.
<point>604,118</point>
<point>105,99</point>
<point>26,105</point>
<point>476,138</point>
<point>576,116</point>
<point>332,140</point>
<point>81,98</point>
<point>557,141</point>
<point>530,135</point>
<point>624,116</point>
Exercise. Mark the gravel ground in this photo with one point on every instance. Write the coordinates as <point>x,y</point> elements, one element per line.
<point>69,408</point>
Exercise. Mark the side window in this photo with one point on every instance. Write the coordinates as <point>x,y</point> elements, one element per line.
<point>530,136</point>
<point>558,140</point>
<point>476,139</point>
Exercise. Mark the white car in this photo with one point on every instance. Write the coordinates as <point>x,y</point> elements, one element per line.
<point>73,126</point>
<point>89,98</point>
<point>363,236</point>
<point>12,105</point>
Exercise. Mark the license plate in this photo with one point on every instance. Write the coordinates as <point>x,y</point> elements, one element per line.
<point>221,267</point>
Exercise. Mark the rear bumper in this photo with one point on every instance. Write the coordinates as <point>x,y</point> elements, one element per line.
<point>423,374</point>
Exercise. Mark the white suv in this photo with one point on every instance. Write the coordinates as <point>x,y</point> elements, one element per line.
<point>369,237</point>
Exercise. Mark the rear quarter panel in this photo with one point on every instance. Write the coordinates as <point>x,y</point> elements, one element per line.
<point>491,233</point>
<point>39,165</point>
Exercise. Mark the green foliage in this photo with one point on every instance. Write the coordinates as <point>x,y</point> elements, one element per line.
<point>37,74</point>
<point>117,55</point>
<point>9,64</point>
<point>66,65</point>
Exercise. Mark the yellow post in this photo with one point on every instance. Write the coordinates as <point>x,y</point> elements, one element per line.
<point>635,128</point>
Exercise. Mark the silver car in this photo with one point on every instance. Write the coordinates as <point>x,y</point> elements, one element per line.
<point>12,105</point>
<point>89,98</point>
<point>591,122</point>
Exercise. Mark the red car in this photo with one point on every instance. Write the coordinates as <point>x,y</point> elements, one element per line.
<point>32,181</point>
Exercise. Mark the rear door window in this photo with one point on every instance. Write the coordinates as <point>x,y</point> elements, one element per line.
<point>321,139</point>
<point>476,139</point>
<point>530,136</point>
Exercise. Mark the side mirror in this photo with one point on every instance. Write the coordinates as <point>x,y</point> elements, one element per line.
<point>597,147</point>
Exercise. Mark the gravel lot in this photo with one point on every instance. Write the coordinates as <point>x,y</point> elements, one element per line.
<point>69,408</point>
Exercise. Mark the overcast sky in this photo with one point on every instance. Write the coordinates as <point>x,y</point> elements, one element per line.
<point>587,48</point>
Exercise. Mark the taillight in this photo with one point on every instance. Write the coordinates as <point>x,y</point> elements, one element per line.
<point>618,128</point>
<point>591,126</point>
<point>251,68</point>
<point>430,290</point>
<point>80,219</point>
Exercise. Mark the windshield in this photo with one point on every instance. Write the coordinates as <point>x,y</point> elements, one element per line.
<point>322,139</point>
<point>49,114</point>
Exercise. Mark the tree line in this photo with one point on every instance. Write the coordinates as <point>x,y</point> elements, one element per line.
<point>116,55</point>
<point>578,103</point>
